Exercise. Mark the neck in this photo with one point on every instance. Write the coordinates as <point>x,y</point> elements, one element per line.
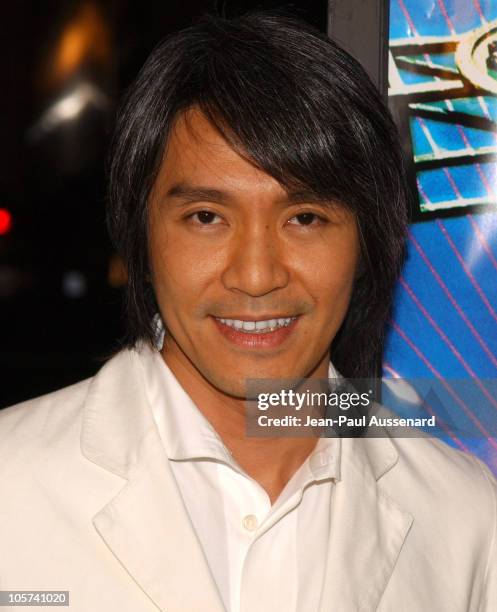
<point>269,461</point>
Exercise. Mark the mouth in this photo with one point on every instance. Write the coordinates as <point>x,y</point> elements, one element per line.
<point>260,326</point>
<point>257,333</point>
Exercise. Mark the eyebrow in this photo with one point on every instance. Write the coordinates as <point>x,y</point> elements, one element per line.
<point>193,193</point>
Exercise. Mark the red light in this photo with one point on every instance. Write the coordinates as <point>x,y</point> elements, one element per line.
<point>5,221</point>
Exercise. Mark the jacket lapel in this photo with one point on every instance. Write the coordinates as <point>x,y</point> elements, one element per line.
<point>145,525</point>
<point>368,529</point>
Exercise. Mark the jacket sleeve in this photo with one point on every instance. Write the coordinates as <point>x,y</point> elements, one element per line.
<point>489,599</point>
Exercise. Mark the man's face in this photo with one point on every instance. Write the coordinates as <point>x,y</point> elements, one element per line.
<point>230,248</point>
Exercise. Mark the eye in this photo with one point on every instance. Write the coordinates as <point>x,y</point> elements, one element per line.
<point>307,218</point>
<point>204,217</point>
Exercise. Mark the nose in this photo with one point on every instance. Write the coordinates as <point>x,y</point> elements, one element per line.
<point>255,263</point>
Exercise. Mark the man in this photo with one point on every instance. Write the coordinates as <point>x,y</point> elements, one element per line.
<point>258,199</point>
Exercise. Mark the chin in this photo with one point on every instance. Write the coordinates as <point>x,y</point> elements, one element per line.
<point>236,384</point>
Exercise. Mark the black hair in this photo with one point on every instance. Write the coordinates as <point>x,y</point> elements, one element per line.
<point>303,111</point>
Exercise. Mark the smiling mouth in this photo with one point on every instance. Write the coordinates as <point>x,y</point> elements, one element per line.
<point>264,326</point>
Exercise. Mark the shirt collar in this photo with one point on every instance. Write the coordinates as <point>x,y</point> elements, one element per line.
<point>185,432</point>
<point>188,435</point>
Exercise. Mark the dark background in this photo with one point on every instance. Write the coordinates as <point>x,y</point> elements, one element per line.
<point>64,65</point>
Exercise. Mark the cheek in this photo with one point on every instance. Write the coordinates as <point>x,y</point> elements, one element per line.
<point>182,270</point>
<point>333,291</point>
<point>330,268</point>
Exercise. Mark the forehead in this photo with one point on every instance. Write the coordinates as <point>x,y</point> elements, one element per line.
<point>197,153</point>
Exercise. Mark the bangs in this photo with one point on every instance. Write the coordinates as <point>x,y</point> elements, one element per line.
<point>272,103</point>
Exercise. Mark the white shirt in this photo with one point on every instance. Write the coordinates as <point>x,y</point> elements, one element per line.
<point>262,557</point>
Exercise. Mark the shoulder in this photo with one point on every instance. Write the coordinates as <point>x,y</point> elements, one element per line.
<point>433,462</point>
<point>51,425</point>
<point>43,410</point>
<point>53,411</point>
<point>451,490</point>
<point>41,422</point>
<point>426,465</point>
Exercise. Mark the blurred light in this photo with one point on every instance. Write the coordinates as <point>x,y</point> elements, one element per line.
<point>85,37</point>
<point>5,221</point>
<point>69,107</point>
<point>484,232</point>
<point>82,96</point>
<point>74,284</point>
<point>74,102</point>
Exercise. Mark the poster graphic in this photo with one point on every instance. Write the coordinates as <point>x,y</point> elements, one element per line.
<point>443,94</point>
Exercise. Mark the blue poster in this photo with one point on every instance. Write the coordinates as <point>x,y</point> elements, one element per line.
<point>443,94</point>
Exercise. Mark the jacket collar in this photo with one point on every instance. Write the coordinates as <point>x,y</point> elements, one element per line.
<point>148,529</point>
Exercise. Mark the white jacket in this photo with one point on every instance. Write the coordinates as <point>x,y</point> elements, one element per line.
<point>88,504</point>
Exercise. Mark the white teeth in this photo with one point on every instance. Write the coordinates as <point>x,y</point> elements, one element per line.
<point>259,327</point>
